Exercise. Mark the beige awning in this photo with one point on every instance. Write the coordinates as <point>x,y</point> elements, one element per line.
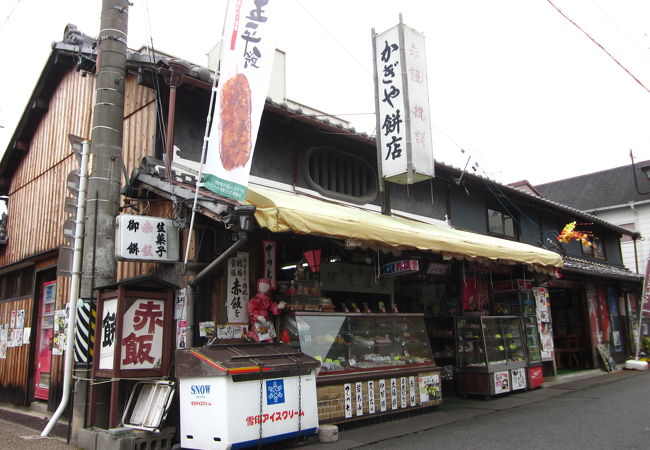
<point>283,212</point>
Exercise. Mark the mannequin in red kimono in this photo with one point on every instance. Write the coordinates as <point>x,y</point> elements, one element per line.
<point>261,306</point>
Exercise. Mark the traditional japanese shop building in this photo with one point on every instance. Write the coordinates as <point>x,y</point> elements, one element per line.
<point>382,285</point>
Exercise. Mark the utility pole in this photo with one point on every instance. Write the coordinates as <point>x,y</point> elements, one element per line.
<point>99,264</point>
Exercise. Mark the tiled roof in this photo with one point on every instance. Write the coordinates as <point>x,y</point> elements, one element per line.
<point>572,264</point>
<point>600,189</point>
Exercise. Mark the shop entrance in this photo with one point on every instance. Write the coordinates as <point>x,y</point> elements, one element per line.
<point>570,331</point>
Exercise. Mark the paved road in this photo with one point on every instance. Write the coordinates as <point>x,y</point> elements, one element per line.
<point>18,437</point>
<point>614,415</point>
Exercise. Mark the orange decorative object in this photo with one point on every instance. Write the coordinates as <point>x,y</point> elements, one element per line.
<point>570,234</point>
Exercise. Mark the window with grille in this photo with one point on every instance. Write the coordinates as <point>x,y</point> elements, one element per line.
<point>340,175</point>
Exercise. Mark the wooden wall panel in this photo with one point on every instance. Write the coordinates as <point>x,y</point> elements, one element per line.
<point>14,368</point>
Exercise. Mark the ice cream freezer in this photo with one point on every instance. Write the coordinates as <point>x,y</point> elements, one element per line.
<point>234,396</point>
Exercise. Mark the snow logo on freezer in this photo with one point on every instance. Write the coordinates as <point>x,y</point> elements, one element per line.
<point>274,392</point>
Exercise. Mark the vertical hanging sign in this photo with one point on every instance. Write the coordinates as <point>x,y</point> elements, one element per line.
<point>237,294</point>
<point>269,252</point>
<point>247,51</point>
<point>404,146</point>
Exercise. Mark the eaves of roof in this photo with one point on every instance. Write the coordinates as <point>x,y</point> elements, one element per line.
<point>541,201</point>
<point>599,270</point>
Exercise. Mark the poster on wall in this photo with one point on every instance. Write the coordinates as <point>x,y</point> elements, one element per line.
<point>237,289</point>
<point>27,332</point>
<point>501,382</point>
<point>518,379</point>
<point>474,294</point>
<point>20,318</point>
<point>544,324</point>
<point>429,387</point>
<point>181,334</point>
<point>4,330</point>
<point>180,302</point>
<point>60,327</point>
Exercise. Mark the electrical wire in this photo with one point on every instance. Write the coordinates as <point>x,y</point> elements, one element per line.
<point>333,38</point>
<point>9,15</point>
<point>600,46</point>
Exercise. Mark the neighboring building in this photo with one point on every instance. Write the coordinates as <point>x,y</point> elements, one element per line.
<point>314,186</point>
<point>620,196</point>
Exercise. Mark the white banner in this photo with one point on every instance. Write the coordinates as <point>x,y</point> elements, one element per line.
<point>403,125</point>
<point>247,51</point>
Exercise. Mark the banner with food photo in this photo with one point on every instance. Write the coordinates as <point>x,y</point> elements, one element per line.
<point>247,52</point>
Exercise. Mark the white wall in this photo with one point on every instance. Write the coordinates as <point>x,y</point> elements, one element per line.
<point>640,216</point>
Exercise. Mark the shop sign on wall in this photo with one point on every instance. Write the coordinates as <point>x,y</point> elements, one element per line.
<point>401,267</point>
<point>145,238</point>
<point>237,289</point>
<point>142,334</point>
<point>107,343</point>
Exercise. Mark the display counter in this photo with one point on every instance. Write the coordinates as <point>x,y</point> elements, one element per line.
<point>371,363</point>
<point>491,355</point>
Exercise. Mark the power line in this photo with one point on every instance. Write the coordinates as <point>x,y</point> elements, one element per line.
<point>599,45</point>
<point>333,38</point>
<point>9,16</point>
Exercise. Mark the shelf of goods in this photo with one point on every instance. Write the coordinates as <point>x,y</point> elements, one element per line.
<point>371,363</point>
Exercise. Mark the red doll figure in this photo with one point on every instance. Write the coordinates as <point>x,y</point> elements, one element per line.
<point>259,308</point>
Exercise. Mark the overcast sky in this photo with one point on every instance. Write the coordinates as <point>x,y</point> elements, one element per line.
<point>512,82</point>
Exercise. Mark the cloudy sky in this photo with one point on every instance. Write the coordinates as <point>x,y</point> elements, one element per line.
<point>513,83</point>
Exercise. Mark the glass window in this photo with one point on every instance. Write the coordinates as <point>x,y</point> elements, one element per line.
<point>347,343</point>
<point>595,250</point>
<point>501,224</point>
<point>629,226</point>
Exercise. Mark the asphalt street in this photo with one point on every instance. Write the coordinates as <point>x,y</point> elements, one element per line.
<point>17,437</point>
<point>613,415</point>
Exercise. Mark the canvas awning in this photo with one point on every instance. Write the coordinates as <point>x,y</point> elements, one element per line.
<point>283,212</point>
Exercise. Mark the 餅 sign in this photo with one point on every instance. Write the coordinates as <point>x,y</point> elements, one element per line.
<point>405,150</point>
<point>145,238</point>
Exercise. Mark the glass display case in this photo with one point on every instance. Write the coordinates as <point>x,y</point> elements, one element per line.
<point>353,343</point>
<point>491,355</point>
<point>513,302</point>
<point>532,340</point>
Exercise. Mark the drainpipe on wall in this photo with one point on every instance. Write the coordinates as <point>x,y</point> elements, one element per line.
<point>177,70</point>
<point>74,288</point>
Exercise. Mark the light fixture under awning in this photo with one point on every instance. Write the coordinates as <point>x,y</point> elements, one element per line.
<point>283,212</point>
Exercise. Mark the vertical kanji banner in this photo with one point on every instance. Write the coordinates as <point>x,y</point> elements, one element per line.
<point>247,51</point>
<point>237,293</point>
<point>405,149</point>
